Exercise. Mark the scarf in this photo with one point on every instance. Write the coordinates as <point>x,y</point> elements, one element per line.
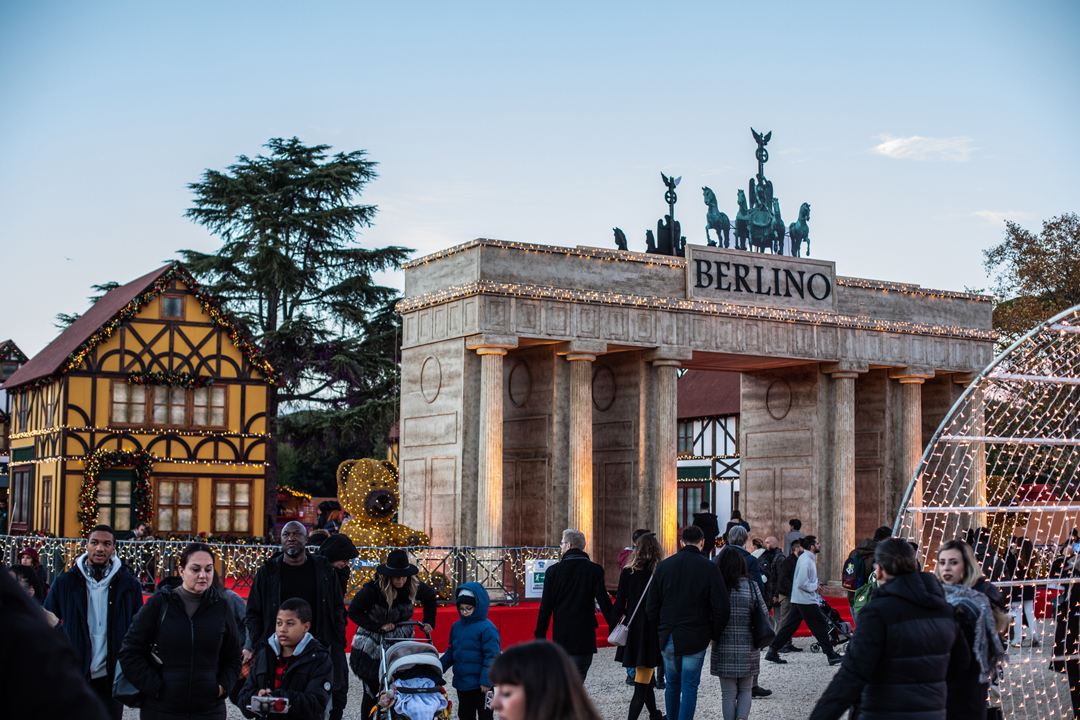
<point>977,612</point>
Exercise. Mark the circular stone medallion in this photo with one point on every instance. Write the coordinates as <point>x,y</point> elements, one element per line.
<point>431,378</point>
<point>520,384</point>
<point>603,388</point>
<point>778,399</point>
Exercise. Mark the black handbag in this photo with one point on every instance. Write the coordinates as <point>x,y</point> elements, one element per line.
<point>760,623</point>
<point>123,690</point>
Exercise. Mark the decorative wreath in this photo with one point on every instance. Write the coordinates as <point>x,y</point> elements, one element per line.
<point>141,495</point>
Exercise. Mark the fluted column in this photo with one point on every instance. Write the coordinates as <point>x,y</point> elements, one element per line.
<point>843,540</point>
<point>489,480</point>
<point>911,387</point>
<point>580,495</point>
<point>666,522</point>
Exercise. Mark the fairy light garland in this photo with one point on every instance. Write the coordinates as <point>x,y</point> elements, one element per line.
<point>543,292</point>
<point>157,459</point>
<point>171,379</point>
<point>210,306</point>
<point>1004,468</point>
<point>163,432</point>
<point>141,495</point>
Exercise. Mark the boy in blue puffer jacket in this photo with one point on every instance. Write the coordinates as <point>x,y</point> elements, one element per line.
<point>474,643</point>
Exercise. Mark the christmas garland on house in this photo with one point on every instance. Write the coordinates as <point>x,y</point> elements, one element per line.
<point>181,379</point>
<point>210,305</point>
<point>141,495</point>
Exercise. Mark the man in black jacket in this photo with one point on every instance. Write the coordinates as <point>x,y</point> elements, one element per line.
<point>570,587</point>
<point>907,644</point>
<point>709,525</point>
<point>96,601</point>
<point>782,595</point>
<point>297,573</point>
<point>689,605</point>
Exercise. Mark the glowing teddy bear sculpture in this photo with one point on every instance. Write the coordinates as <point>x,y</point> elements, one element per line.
<point>368,490</point>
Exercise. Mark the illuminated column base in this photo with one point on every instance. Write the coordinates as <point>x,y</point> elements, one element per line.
<point>665,454</point>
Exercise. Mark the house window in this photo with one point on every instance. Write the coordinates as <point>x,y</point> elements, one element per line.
<point>232,506</point>
<point>176,506</point>
<point>128,403</point>
<point>170,405</point>
<point>20,500</point>
<point>172,307</point>
<point>114,499</point>
<point>686,437</point>
<point>46,504</point>
<point>208,407</point>
<point>8,369</point>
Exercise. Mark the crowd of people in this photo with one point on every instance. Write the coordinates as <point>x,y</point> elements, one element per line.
<point>925,645</point>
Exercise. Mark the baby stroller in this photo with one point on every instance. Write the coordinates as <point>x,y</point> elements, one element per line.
<point>839,631</point>
<point>411,684</point>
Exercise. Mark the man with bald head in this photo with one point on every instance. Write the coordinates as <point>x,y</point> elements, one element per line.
<point>296,573</point>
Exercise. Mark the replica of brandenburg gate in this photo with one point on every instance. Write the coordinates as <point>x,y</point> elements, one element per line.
<point>539,390</point>
<point>538,383</point>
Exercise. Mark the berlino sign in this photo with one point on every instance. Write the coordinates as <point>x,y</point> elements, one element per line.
<point>747,278</point>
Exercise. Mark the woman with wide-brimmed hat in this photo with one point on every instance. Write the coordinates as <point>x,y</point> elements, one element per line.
<point>378,608</point>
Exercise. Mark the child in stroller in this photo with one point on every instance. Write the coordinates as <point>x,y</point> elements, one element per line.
<point>839,630</point>
<point>410,680</point>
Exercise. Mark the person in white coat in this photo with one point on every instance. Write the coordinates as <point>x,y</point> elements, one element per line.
<point>805,606</point>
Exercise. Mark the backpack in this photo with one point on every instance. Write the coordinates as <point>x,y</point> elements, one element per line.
<point>854,575</point>
<point>864,595</point>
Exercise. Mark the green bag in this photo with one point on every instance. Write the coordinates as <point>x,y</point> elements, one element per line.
<point>864,594</point>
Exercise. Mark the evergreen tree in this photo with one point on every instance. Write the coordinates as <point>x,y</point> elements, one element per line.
<point>291,272</point>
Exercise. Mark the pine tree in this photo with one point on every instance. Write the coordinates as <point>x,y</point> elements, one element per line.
<point>291,271</point>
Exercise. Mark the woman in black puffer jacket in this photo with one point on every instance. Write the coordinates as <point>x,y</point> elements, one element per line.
<point>906,644</point>
<point>191,629</point>
<point>376,617</point>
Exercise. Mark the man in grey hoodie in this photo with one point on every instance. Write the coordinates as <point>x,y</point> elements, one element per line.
<point>95,601</point>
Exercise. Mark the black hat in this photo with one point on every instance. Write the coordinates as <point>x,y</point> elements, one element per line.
<point>397,565</point>
<point>338,547</point>
<point>466,597</point>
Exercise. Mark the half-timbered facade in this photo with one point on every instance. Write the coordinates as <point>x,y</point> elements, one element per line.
<point>151,406</point>
<point>11,359</point>
<point>708,443</point>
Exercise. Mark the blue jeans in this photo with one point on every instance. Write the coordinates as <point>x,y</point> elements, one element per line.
<point>683,675</point>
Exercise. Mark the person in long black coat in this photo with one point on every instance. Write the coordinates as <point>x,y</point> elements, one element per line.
<point>570,587</point>
<point>642,649</point>
<point>907,644</point>
<point>39,674</point>
<point>1067,635</point>
<point>191,629</point>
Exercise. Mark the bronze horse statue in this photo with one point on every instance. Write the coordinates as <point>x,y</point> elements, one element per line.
<point>778,229</point>
<point>742,224</point>
<point>800,231</point>
<point>716,220</point>
<point>761,218</point>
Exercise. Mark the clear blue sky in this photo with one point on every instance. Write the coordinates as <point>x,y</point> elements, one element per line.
<point>912,128</point>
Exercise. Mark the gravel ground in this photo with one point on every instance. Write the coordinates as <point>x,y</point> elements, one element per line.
<point>797,686</point>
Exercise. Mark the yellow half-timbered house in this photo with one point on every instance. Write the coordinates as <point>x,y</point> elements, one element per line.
<point>149,407</point>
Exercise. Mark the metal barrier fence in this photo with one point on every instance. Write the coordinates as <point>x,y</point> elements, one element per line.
<point>500,570</point>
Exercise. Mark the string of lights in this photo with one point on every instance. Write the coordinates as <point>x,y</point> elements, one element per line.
<point>224,434</point>
<point>157,459</point>
<point>816,317</point>
<point>1002,472</point>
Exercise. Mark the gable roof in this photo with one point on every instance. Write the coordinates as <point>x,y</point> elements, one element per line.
<point>8,347</point>
<point>111,310</point>
<point>706,393</point>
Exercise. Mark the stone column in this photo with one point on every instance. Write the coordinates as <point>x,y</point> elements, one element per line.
<point>489,474</point>
<point>842,540</point>
<point>581,354</point>
<point>665,523</point>
<point>911,382</point>
<point>974,426</point>
<point>580,496</point>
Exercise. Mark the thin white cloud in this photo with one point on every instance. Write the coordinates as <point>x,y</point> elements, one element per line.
<point>916,147</point>
<point>997,217</point>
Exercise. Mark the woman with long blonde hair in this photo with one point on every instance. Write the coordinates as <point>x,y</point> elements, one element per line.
<point>642,649</point>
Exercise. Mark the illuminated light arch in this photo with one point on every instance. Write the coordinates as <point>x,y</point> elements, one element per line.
<point>1005,463</point>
